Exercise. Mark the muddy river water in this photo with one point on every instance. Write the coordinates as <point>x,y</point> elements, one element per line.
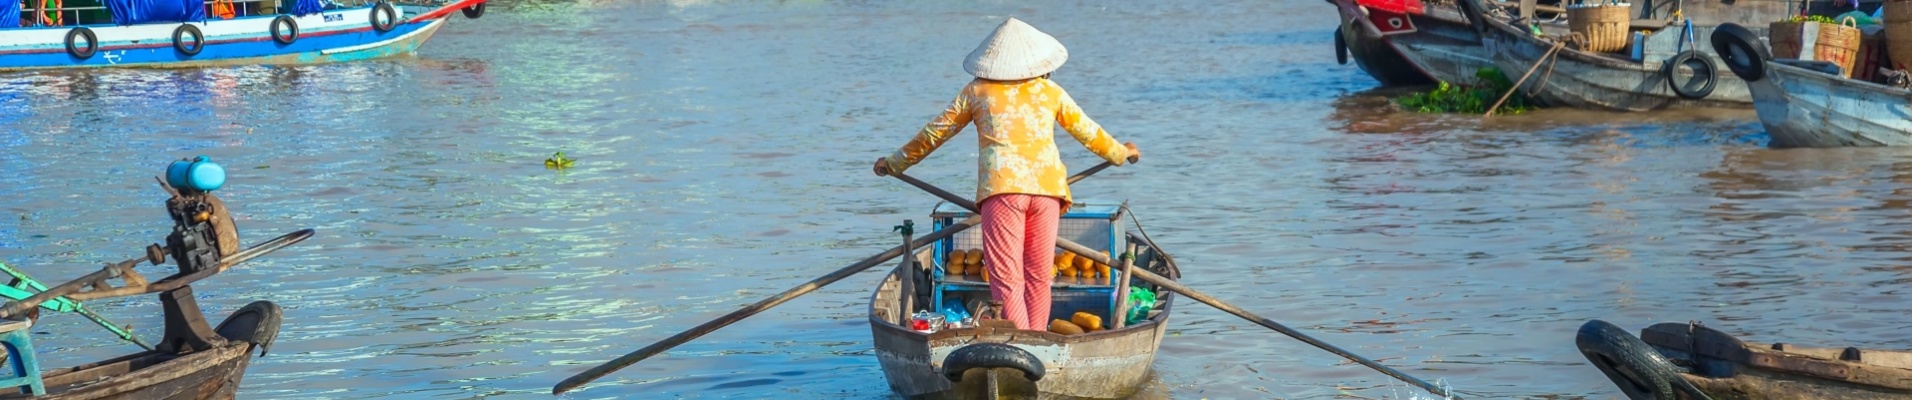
<point>723,152</point>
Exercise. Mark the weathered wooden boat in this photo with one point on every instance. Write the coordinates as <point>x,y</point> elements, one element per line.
<point>1669,70</point>
<point>192,360</point>
<point>194,33</point>
<point>1809,103</point>
<point>1410,42</point>
<point>993,357</point>
<point>1675,360</point>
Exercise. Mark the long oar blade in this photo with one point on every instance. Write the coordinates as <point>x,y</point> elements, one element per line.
<point>706,328</point>
<point>1165,283</point>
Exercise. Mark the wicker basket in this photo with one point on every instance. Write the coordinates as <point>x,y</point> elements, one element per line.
<point>1604,25</point>
<point>1838,44</point>
<point>1898,24</point>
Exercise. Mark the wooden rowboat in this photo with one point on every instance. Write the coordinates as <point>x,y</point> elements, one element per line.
<point>1807,103</point>
<point>1669,360</point>
<point>1112,363</point>
<point>1668,72</point>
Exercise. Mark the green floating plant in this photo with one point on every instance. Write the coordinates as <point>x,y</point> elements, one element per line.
<point>1468,99</point>
<point>557,161</point>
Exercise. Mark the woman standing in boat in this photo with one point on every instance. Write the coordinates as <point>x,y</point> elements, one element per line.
<point>1022,188</point>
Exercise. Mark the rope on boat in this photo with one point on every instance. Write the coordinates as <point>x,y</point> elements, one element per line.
<point>1551,53</point>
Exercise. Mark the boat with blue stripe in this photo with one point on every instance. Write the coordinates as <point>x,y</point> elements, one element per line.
<point>198,33</point>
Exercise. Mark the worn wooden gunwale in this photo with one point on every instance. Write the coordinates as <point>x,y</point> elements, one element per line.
<point>1111,363</point>
<point>1726,368</point>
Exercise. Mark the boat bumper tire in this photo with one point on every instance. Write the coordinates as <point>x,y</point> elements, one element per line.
<point>189,48</point>
<point>256,323</point>
<point>1639,371</point>
<point>991,355</point>
<point>390,20</point>
<point>1340,47</point>
<point>72,43</point>
<point>1700,85</point>
<point>474,11</point>
<point>285,30</point>
<point>1742,51</point>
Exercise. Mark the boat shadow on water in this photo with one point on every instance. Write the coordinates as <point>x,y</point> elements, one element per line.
<point>1376,111</point>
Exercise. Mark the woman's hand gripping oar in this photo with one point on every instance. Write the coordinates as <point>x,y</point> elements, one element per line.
<point>1177,287</point>
<point>656,348</point>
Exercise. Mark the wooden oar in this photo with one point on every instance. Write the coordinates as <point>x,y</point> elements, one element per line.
<point>1177,287</point>
<point>706,328</point>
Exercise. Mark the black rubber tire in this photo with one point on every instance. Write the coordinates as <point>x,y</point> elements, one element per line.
<point>289,34</point>
<point>92,43</point>
<point>391,17</point>
<point>473,12</point>
<point>1340,47</point>
<point>1742,51</point>
<point>1700,65</point>
<point>179,40</point>
<point>1639,371</point>
<point>991,355</point>
<point>256,323</point>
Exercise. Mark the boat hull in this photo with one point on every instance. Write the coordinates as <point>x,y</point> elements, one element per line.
<point>1805,108</point>
<point>1579,79</point>
<point>1375,56</point>
<point>330,36</point>
<point>1437,45</point>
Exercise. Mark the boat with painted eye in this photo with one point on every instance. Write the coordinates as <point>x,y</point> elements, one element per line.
<point>198,33</point>
<point>193,360</point>
<point>1410,42</point>
<point>968,362</point>
<point>1676,360</point>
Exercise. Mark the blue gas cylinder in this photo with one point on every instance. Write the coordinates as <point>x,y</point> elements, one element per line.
<point>200,174</point>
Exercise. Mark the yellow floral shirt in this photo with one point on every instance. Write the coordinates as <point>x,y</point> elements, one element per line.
<point>1015,126</point>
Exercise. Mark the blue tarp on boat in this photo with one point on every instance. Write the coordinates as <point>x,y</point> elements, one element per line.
<point>307,7</point>
<point>9,14</point>
<point>128,12</point>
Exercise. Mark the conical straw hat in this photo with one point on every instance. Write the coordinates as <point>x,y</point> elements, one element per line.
<point>1016,51</point>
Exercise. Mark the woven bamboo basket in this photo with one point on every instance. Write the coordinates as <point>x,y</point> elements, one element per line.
<point>1898,24</point>
<point>1838,44</point>
<point>1604,25</point>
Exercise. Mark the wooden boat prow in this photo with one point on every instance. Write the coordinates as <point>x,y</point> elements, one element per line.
<point>1670,359</point>
<point>1112,363</point>
<point>1743,370</point>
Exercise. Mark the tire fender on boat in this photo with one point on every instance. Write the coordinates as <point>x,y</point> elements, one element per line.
<point>1742,51</point>
<point>391,17</point>
<point>991,355</point>
<point>1340,47</point>
<point>1639,371</point>
<point>1703,68</point>
<point>188,48</point>
<point>73,48</point>
<point>290,32</point>
<point>474,11</point>
<point>256,323</point>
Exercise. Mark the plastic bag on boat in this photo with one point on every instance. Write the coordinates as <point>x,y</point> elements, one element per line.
<point>1141,300</point>
<point>1858,18</point>
<point>307,7</point>
<point>128,12</point>
<point>9,11</point>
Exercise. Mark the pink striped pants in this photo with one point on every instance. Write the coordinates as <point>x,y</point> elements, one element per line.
<point>1019,241</point>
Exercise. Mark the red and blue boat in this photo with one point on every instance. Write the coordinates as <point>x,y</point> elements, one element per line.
<point>59,34</point>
